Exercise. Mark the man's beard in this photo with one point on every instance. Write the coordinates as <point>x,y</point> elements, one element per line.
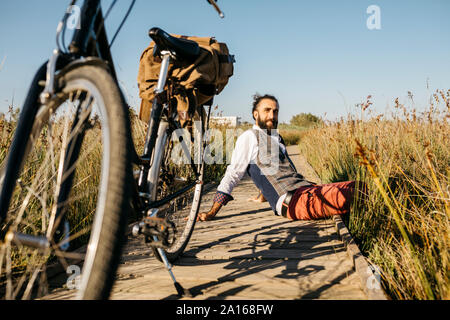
<point>263,125</point>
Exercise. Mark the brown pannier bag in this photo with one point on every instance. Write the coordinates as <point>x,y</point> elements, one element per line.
<point>194,84</point>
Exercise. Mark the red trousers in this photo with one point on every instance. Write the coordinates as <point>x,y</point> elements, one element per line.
<point>321,201</point>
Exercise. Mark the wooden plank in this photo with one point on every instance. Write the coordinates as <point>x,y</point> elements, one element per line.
<point>328,252</point>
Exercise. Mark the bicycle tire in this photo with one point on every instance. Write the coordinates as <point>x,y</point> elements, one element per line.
<point>185,217</point>
<point>87,89</point>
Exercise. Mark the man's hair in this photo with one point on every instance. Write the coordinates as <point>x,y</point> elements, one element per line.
<point>257,99</point>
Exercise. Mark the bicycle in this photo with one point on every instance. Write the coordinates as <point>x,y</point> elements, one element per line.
<point>74,120</point>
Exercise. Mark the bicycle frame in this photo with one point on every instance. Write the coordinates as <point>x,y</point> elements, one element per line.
<point>89,45</point>
<point>152,133</point>
<point>90,40</point>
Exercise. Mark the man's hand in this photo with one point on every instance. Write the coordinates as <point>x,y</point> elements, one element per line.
<point>206,216</point>
<point>259,198</point>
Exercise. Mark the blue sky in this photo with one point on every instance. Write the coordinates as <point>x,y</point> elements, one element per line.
<point>315,56</point>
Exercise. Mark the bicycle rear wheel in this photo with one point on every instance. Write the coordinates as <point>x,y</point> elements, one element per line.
<point>179,164</point>
<point>71,189</point>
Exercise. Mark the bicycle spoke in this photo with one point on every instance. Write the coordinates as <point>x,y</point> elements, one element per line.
<point>8,272</point>
<point>19,285</point>
<point>27,294</point>
<point>43,283</point>
<point>44,207</point>
<point>21,282</point>
<point>70,255</point>
<point>73,199</point>
<point>83,157</point>
<point>30,191</point>
<point>52,153</point>
<point>60,255</point>
<point>2,256</point>
<point>22,210</point>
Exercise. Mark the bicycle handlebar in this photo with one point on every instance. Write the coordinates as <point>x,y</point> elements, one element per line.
<point>214,4</point>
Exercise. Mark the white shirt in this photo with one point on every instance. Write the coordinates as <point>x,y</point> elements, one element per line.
<point>245,151</point>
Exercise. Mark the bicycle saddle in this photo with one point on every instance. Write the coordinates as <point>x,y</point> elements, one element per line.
<point>183,48</point>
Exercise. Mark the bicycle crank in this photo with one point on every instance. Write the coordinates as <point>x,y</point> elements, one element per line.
<point>157,232</point>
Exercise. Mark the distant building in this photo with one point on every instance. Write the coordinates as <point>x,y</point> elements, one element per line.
<point>226,121</point>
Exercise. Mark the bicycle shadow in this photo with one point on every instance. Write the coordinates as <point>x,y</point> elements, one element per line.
<point>267,247</point>
<point>198,226</point>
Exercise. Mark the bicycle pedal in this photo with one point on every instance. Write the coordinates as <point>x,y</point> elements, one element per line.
<point>158,232</point>
<point>160,224</point>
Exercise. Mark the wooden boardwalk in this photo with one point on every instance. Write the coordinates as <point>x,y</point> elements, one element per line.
<point>246,253</point>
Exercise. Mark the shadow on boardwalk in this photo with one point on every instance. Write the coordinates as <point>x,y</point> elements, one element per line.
<point>254,254</point>
<point>260,255</point>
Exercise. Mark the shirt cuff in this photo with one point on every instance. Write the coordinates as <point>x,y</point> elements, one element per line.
<point>222,198</point>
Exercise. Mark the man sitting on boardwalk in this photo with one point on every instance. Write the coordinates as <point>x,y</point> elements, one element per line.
<point>261,152</point>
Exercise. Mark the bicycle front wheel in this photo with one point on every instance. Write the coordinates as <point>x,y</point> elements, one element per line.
<point>69,201</point>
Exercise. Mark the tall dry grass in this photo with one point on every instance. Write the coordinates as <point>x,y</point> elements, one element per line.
<point>33,201</point>
<point>291,134</point>
<point>402,226</point>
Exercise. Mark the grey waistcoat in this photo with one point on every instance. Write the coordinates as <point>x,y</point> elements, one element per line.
<point>273,171</point>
